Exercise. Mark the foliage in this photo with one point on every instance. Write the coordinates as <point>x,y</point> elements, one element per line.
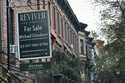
<point>63,64</point>
<point>112,27</point>
<point>94,35</point>
<point>67,65</point>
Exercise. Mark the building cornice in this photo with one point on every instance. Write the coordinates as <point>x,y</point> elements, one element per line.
<point>64,5</point>
<point>82,27</point>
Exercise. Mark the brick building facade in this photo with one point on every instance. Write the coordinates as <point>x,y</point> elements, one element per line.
<point>62,22</point>
<point>63,25</point>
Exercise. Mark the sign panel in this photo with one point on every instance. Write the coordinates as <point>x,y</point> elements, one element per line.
<point>34,66</point>
<point>34,35</point>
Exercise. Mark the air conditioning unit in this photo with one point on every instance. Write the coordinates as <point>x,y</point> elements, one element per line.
<point>12,48</point>
<point>72,46</point>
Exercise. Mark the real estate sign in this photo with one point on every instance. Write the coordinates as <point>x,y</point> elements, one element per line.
<point>34,35</point>
<point>35,66</point>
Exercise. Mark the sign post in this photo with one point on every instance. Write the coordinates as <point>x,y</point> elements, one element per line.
<point>34,35</point>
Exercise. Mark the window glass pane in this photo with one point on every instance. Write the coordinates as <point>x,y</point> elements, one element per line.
<point>58,23</point>
<point>64,30</point>
<point>54,18</point>
<point>62,26</point>
<point>0,30</point>
<point>68,33</point>
<point>82,46</point>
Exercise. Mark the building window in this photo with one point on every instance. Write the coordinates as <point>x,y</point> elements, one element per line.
<point>0,30</point>
<point>58,23</point>
<point>65,31</point>
<point>74,41</point>
<point>62,32</point>
<point>76,44</point>
<point>68,34</point>
<point>81,46</point>
<point>54,18</point>
<point>71,37</point>
<point>61,26</point>
<point>64,28</point>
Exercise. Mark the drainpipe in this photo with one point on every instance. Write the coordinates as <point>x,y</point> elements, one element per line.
<point>8,37</point>
<point>8,32</point>
<point>10,40</point>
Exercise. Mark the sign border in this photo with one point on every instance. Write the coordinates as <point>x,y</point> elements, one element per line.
<point>17,29</point>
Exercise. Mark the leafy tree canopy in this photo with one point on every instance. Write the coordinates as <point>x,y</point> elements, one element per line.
<point>113,29</point>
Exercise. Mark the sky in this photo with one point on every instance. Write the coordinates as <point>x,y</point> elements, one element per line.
<point>86,12</point>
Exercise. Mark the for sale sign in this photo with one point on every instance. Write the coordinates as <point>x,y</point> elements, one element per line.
<point>34,35</point>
